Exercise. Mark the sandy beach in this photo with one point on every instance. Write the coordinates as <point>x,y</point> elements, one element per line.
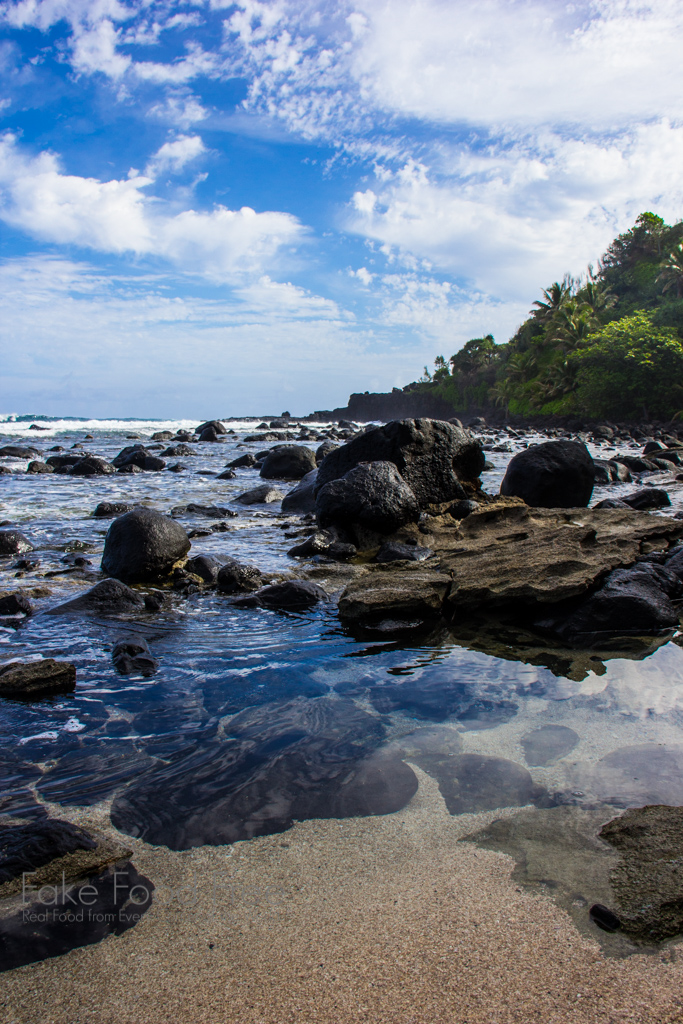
<point>384,919</point>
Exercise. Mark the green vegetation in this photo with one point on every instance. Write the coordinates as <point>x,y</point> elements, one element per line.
<point>609,345</point>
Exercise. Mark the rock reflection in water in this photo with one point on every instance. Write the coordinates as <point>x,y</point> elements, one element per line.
<point>280,762</point>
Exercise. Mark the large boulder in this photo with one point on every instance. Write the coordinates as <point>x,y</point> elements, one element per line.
<point>392,594</point>
<point>288,462</point>
<point>373,495</point>
<point>557,474</point>
<point>143,545</point>
<point>301,499</point>
<point>432,456</point>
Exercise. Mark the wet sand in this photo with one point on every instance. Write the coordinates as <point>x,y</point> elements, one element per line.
<point>385,919</point>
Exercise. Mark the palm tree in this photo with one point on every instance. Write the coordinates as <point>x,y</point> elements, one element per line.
<point>596,296</point>
<point>672,271</point>
<point>572,325</point>
<point>555,298</point>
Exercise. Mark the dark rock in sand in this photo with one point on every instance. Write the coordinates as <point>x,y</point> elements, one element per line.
<point>132,656</point>
<point>12,542</point>
<point>288,462</point>
<point>604,918</point>
<point>16,604</point>
<point>647,880</point>
<point>546,744</point>
<point>110,509</point>
<point>116,897</point>
<point>24,848</point>
<point>235,578</point>
<point>108,597</point>
<point>393,551</point>
<point>264,494</point>
<point>143,545</point>
<point>557,474</point>
<point>37,467</point>
<point>280,763</point>
<point>461,509</point>
<point>301,499</point>
<point>373,495</point>
<point>432,456</point>
<point>647,498</point>
<point>36,678</point>
<point>204,566</point>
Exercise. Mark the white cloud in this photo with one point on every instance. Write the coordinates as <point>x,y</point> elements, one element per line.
<point>116,217</point>
<point>525,212</point>
<point>182,111</point>
<point>81,342</point>
<point>174,156</point>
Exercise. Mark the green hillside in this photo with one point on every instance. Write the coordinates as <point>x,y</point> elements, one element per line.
<point>606,345</point>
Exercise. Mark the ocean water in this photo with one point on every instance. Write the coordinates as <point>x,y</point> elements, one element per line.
<point>257,719</point>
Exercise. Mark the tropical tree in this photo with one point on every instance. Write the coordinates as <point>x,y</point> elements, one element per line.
<point>672,272</point>
<point>555,298</point>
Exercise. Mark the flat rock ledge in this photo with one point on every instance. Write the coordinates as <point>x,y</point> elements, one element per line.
<point>505,553</point>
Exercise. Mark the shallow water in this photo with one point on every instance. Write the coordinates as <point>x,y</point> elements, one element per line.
<point>257,719</point>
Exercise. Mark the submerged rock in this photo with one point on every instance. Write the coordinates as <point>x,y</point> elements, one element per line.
<point>647,880</point>
<point>12,542</point>
<point>290,596</point>
<point>108,597</point>
<point>143,545</point>
<point>471,783</point>
<point>432,456</point>
<point>36,678</point>
<point>281,762</point>
<point>546,744</point>
<point>557,474</point>
<point>133,656</point>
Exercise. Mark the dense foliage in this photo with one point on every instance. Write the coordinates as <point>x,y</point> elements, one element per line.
<point>609,345</point>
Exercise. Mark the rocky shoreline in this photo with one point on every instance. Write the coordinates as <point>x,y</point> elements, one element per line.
<point>397,535</point>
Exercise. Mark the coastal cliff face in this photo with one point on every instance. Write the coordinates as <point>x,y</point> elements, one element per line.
<point>393,405</point>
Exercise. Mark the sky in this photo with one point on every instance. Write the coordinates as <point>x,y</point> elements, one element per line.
<point>211,208</point>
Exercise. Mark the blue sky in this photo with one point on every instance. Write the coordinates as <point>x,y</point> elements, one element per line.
<point>213,208</point>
